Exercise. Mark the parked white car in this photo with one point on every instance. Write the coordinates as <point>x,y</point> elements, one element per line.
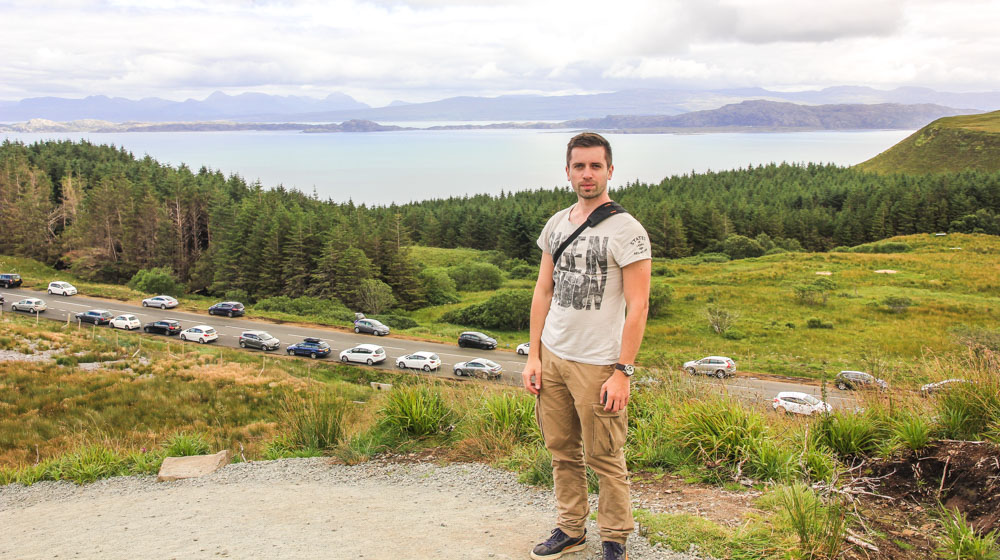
<point>162,302</point>
<point>200,333</point>
<point>364,353</point>
<point>427,361</point>
<point>61,289</point>
<point>30,305</point>
<point>793,402</point>
<point>719,366</point>
<point>523,348</point>
<point>127,322</point>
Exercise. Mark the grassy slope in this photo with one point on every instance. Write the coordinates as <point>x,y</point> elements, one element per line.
<point>947,144</point>
<point>951,287</point>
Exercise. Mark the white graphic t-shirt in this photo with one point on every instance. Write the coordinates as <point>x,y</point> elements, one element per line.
<point>587,313</point>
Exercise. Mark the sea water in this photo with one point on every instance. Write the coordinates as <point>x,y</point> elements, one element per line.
<point>379,168</point>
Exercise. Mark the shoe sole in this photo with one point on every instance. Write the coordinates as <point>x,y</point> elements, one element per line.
<point>568,549</point>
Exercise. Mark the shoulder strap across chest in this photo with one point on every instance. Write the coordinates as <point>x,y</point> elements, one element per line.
<point>599,214</point>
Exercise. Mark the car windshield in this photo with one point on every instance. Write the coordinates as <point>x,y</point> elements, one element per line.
<point>434,357</point>
<point>810,399</point>
<point>265,336</point>
<point>490,363</point>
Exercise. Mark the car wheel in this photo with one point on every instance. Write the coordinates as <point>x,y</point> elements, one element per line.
<point>343,359</point>
<point>145,330</point>
<point>400,365</point>
<point>461,344</point>
<point>163,306</point>
<point>243,344</point>
<point>691,370</point>
<point>842,386</point>
<point>370,362</point>
<point>201,341</point>
<point>144,304</point>
<point>290,352</point>
<point>721,374</point>
<point>781,410</point>
<point>230,314</point>
<point>50,292</point>
<point>427,367</point>
<point>357,330</point>
<point>459,372</point>
<point>313,355</point>
<point>378,333</point>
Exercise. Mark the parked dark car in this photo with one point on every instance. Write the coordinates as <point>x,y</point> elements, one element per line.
<point>10,280</point>
<point>312,347</point>
<point>473,339</point>
<point>259,339</point>
<point>227,308</point>
<point>166,327</point>
<point>370,326</point>
<point>95,316</point>
<point>858,380</point>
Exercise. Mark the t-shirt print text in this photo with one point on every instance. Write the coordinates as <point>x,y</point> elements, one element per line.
<point>581,273</point>
<point>640,245</point>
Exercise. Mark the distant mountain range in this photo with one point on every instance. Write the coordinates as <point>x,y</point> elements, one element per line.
<point>745,116</point>
<point>338,107</point>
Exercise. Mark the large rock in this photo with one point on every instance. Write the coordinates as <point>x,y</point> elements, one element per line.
<point>176,468</point>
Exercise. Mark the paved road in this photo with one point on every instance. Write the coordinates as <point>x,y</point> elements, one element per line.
<point>60,308</point>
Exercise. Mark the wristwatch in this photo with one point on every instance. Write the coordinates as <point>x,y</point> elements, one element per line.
<point>629,369</point>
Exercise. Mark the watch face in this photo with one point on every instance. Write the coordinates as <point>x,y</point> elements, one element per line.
<point>629,370</point>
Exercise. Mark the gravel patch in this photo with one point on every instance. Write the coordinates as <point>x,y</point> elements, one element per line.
<point>293,508</point>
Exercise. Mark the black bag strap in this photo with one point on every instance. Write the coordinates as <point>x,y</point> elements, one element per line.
<point>599,214</point>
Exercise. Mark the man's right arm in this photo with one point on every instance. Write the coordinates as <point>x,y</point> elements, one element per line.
<point>540,303</point>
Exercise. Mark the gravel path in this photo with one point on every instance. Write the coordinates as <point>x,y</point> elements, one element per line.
<point>293,508</point>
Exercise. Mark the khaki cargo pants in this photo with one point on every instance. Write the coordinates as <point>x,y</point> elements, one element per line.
<point>574,422</point>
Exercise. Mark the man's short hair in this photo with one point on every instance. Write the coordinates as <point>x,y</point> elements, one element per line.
<point>588,140</point>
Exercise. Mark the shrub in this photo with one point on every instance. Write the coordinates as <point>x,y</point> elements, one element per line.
<point>87,465</point>
<point>734,334</point>
<point>156,281</point>
<point>375,296</point>
<point>416,411</point>
<point>897,304</point>
<point>721,319</point>
<point>315,422</point>
<point>476,276</point>
<point>239,295</point>
<point>185,445</point>
<point>814,323</point>
<point>507,309</point>
<point>819,526</point>
<point>330,310</point>
<point>660,296</point>
<point>887,247</point>
<point>523,271</point>
<point>439,287</point>
<point>741,247</point>
<point>510,414</point>
<point>912,431</point>
<point>396,321</point>
<point>960,541</point>
<point>850,434</point>
<point>713,258</point>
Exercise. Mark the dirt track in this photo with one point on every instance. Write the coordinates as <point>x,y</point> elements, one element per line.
<point>297,508</point>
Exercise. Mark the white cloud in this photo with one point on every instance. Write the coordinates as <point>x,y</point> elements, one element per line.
<point>425,49</point>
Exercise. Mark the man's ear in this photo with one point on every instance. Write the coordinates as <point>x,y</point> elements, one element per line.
<point>611,170</point>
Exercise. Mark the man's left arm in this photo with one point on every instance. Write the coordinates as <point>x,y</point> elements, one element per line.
<point>635,280</point>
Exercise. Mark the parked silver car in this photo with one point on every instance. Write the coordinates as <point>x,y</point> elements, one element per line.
<point>719,366</point>
<point>849,379</point>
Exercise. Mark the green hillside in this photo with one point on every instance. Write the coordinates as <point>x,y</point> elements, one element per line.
<point>949,144</point>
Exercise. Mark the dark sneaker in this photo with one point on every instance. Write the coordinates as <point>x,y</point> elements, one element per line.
<point>614,551</point>
<point>558,544</point>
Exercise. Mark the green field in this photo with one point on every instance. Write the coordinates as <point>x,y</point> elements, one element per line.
<point>952,281</point>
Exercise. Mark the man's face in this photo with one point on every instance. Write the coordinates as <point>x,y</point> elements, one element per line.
<point>588,171</point>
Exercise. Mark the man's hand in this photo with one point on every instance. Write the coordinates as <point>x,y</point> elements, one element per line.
<point>615,392</point>
<point>532,375</point>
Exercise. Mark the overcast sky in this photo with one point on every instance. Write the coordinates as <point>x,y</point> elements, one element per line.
<point>421,50</point>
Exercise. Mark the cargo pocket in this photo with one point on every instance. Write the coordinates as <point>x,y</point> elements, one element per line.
<point>608,432</point>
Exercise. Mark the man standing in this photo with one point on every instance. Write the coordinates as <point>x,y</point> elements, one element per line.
<point>583,346</point>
